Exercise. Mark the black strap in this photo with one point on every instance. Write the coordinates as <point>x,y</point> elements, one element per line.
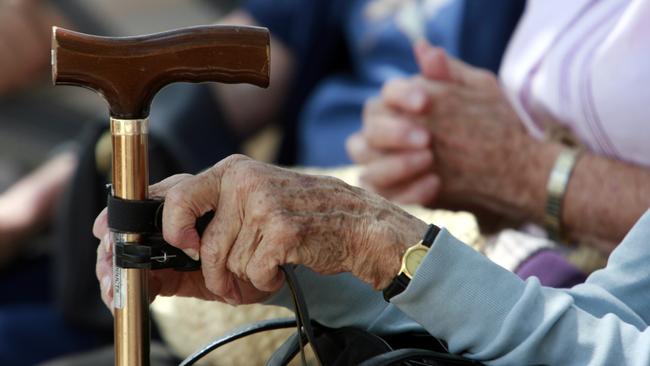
<point>144,217</point>
<point>132,216</point>
<point>430,235</point>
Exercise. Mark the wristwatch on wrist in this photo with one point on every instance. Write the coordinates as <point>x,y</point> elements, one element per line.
<point>410,262</point>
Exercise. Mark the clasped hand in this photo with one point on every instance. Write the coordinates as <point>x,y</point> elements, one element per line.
<point>445,138</point>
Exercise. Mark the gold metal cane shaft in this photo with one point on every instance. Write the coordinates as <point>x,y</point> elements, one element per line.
<point>128,72</point>
<point>130,286</point>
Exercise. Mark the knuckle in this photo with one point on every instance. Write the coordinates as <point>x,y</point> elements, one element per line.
<point>235,159</point>
<point>228,163</point>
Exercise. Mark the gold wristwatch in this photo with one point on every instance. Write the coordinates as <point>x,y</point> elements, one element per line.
<point>410,262</point>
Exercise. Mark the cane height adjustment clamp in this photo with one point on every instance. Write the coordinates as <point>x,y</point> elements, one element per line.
<point>153,252</point>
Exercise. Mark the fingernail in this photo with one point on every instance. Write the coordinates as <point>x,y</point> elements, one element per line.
<point>192,253</point>
<point>417,138</point>
<point>106,285</point>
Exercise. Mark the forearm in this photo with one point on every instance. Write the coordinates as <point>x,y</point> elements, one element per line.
<point>602,200</point>
<point>248,107</point>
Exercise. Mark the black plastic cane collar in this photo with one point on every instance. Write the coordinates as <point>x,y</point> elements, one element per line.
<point>144,217</point>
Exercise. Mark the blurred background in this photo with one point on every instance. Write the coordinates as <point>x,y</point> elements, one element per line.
<point>36,118</point>
<point>39,123</point>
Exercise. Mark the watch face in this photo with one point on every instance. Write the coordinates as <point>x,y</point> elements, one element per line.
<point>413,258</point>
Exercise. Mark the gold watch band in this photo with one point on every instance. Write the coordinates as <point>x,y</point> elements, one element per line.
<point>556,189</point>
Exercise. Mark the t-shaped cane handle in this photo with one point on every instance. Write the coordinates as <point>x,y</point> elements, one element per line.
<point>128,72</point>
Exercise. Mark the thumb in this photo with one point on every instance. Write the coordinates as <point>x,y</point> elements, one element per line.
<point>435,64</point>
<point>190,199</point>
<point>185,202</point>
<point>432,61</point>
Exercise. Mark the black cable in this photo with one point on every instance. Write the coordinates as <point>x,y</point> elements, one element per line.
<point>302,314</point>
<point>302,321</point>
<point>416,354</point>
<point>239,333</point>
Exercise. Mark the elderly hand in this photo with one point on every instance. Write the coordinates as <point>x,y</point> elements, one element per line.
<point>266,217</point>
<point>483,156</point>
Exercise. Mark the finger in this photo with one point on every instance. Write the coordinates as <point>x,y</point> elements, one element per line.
<point>392,132</point>
<point>422,190</point>
<point>161,188</point>
<point>359,150</point>
<point>434,91</point>
<point>104,270</point>
<point>396,168</point>
<point>185,201</point>
<point>244,246</point>
<point>263,270</point>
<point>401,94</point>
<point>433,62</point>
<point>106,287</point>
<point>192,198</point>
<point>216,244</point>
<point>100,227</point>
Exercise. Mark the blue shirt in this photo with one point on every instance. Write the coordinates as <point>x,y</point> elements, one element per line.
<point>489,314</point>
<point>379,50</point>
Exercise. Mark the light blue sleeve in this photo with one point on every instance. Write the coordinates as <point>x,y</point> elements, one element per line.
<point>491,315</point>
<point>625,281</point>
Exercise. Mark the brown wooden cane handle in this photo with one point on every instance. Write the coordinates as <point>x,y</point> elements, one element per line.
<point>129,71</point>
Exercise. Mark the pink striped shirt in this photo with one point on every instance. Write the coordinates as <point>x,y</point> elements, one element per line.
<point>586,65</point>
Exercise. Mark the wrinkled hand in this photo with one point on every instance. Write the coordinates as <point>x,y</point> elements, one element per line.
<point>479,143</point>
<point>24,41</point>
<point>266,217</point>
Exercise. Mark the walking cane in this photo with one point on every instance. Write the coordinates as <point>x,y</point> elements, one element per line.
<point>128,72</point>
